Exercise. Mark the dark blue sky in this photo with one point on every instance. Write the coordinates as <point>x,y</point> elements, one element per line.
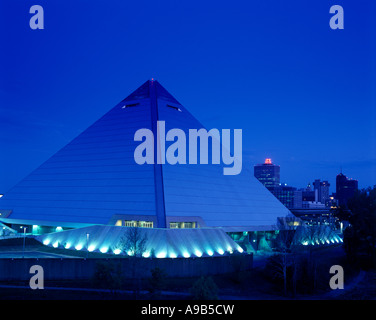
<point>303,94</point>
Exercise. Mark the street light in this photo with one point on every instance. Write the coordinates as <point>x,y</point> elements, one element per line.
<point>23,255</point>
<point>87,244</point>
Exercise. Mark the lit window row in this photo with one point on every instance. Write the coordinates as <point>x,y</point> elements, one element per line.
<point>134,223</point>
<point>183,225</point>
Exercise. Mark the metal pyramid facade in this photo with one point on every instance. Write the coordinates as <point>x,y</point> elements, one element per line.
<point>94,179</point>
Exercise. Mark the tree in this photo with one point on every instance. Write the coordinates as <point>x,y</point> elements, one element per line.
<point>307,237</point>
<point>275,270</point>
<point>157,280</point>
<point>134,243</point>
<point>342,213</point>
<point>107,275</point>
<point>204,289</point>
<point>360,236</point>
<point>284,244</point>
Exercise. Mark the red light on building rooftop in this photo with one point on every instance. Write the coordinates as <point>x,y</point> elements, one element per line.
<point>268,161</point>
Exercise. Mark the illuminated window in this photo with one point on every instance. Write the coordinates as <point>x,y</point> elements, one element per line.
<point>145,224</point>
<point>118,223</point>
<point>141,224</point>
<point>182,225</point>
<point>130,223</point>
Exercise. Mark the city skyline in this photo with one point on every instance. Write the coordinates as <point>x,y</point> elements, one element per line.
<point>332,181</point>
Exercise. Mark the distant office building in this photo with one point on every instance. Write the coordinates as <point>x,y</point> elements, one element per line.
<point>298,199</point>
<point>315,215</point>
<point>308,196</point>
<point>345,188</point>
<point>268,174</point>
<point>319,197</point>
<point>332,202</point>
<point>321,189</point>
<point>285,194</point>
<point>313,205</point>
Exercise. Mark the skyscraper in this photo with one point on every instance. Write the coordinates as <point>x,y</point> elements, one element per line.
<point>285,194</point>
<point>308,194</point>
<point>268,173</point>
<point>345,188</point>
<point>321,190</point>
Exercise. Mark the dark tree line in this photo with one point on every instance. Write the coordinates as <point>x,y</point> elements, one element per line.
<point>360,235</point>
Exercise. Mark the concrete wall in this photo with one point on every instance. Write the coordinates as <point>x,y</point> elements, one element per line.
<point>80,269</point>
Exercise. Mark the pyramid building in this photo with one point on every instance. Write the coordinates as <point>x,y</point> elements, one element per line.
<point>95,180</point>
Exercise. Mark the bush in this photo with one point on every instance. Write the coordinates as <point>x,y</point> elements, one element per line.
<point>274,268</point>
<point>157,281</point>
<point>107,276</point>
<point>204,289</point>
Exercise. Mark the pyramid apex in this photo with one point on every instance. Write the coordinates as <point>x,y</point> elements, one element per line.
<point>144,92</point>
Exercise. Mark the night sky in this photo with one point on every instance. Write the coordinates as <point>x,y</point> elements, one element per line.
<point>303,94</point>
